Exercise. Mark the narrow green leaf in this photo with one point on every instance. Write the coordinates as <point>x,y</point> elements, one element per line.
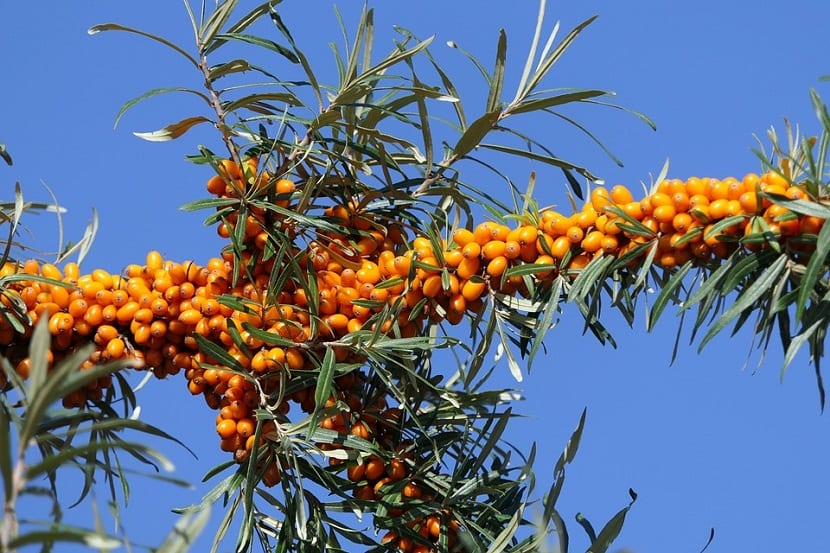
<point>804,207</point>
<point>561,531</point>
<point>531,56</point>
<point>556,162</point>
<point>325,381</point>
<point>263,43</point>
<point>186,530</point>
<point>526,106</point>
<point>312,79</point>
<point>361,84</point>
<point>815,269</point>
<point>748,298</point>
<point>229,67</point>
<point>587,526</point>
<point>545,64</point>
<point>116,27</point>
<point>155,92</point>
<point>611,529</point>
<point>796,343</point>
<point>473,134</point>
<point>506,535</point>
<point>60,458</point>
<point>172,131</point>
<point>454,45</point>
<point>591,275</point>
<point>243,23</point>
<point>5,452</point>
<point>667,294</point>
<point>214,24</point>
<point>246,101</point>
<point>497,82</point>
<point>65,534</point>
<point>546,321</point>
<point>569,453</point>
<point>824,142</point>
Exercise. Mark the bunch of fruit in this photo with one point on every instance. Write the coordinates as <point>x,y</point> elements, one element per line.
<point>238,335</point>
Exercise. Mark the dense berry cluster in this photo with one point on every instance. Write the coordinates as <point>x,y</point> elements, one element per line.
<point>363,274</point>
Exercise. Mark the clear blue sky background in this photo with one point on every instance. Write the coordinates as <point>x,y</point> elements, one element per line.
<point>706,442</point>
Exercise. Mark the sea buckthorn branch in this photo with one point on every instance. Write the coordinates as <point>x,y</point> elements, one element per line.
<point>252,351</point>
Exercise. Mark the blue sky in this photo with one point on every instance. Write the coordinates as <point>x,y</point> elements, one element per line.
<point>705,442</point>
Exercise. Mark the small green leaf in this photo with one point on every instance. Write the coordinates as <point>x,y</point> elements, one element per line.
<point>234,66</point>
<point>263,43</point>
<point>474,134</point>
<point>496,83</point>
<point>155,92</point>
<point>325,381</point>
<point>215,23</point>
<point>246,101</point>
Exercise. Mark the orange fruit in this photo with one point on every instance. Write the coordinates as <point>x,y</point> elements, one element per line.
<point>600,199</point>
<point>497,266</point>
<point>621,195</point>
<point>592,241</point>
<point>575,234</point>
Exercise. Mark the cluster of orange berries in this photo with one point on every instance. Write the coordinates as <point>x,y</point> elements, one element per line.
<point>700,218</point>
<point>363,275</point>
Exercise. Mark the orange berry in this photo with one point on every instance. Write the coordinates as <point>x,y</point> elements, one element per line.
<point>592,241</point>
<point>471,250</point>
<point>659,198</point>
<point>374,468</point>
<point>432,286</point>
<point>575,234</point>
<point>528,235</point>
<point>621,195</point>
<point>497,266</point>
<point>600,199</point>
<point>681,222</point>
<point>718,208</point>
<point>462,237</point>
<point>226,428</point>
<point>664,213</point>
<point>718,190</point>
<point>695,186</point>
<point>560,247</point>
<point>610,244</point>
<point>493,249</point>
<point>633,210</point>
<point>483,233</point>
<point>355,473</point>
<point>472,290</point>
<point>115,348</point>
<point>512,249</point>
<point>734,188</point>
<point>452,258</point>
<point>681,201</point>
<point>468,268</point>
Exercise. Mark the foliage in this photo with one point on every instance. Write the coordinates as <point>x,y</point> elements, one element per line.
<point>317,175</point>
